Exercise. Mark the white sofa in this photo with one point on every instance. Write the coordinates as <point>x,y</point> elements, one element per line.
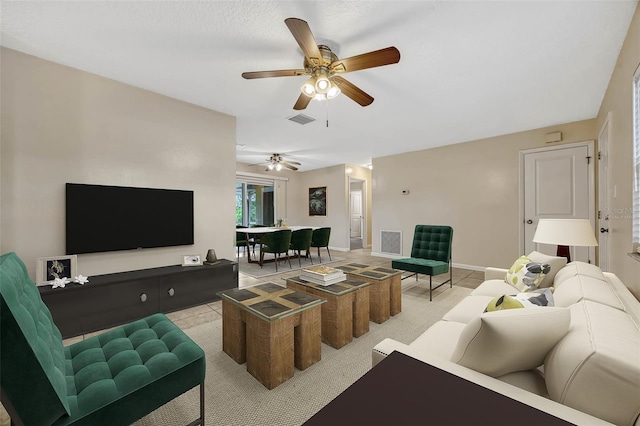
<point>580,356</point>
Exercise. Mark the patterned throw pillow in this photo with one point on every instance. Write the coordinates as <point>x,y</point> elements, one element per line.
<point>532,299</point>
<point>526,275</point>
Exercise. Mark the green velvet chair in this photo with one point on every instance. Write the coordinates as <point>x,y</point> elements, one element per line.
<point>114,378</point>
<point>430,254</point>
<point>301,240</point>
<point>320,238</point>
<point>241,240</point>
<point>276,243</point>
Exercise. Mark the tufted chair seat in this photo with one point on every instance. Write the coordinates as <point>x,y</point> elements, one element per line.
<point>114,378</point>
<point>430,254</point>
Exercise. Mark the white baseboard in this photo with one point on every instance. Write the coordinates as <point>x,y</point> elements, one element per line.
<point>455,265</point>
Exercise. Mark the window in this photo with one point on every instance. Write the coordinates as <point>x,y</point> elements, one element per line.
<point>636,161</point>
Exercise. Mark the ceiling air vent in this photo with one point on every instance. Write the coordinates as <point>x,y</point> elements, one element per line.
<point>301,119</point>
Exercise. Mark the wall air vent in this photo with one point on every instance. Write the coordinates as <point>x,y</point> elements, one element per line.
<point>301,119</point>
<point>391,242</point>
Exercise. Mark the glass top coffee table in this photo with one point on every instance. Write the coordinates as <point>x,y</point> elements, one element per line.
<point>272,328</point>
<point>346,313</point>
<point>385,295</point>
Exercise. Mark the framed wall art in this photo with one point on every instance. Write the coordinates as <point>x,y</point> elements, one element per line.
<point>50,268</point>
<point>191,260</point>
<point>318,201</point>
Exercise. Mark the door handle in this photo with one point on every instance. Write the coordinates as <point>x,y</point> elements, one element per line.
<point>529,222</point>
<point>603,230</point>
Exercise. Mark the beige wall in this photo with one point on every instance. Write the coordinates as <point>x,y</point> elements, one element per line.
<point>618,101</point>
<point>473,187</point>
<point>64,125</point>
<point>292,199</point>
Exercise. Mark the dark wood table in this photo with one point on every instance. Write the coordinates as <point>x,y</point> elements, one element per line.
<point>402,390</point>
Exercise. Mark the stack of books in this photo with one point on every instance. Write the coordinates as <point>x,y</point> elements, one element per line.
<point>322,275</point>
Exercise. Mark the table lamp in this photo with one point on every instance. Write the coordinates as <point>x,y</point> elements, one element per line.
<point>565,233</point>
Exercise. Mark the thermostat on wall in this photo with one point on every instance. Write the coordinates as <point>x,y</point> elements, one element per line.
<point>405,191</point>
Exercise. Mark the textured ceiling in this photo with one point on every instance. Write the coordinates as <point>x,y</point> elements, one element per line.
<point>468,69</point>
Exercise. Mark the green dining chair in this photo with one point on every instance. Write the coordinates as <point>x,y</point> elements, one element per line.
<point>276,243</point>
<point>301,240</point>
<point>241,240</point>
<point>255,239</point>
<point>320,238</point>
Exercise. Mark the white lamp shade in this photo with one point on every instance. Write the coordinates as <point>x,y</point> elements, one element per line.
<point>566,232</point>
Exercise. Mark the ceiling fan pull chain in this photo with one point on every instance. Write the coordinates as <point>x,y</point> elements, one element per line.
<point>327,104</point>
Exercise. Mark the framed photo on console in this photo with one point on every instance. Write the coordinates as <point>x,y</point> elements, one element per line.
<point>191,260</point>
<point>50,268</point>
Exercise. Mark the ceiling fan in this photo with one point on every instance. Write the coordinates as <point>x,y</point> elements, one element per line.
<point>324,68</point>
<point>277,162</point>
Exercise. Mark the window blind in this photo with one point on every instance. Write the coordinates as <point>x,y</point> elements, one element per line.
<point>636,161</point>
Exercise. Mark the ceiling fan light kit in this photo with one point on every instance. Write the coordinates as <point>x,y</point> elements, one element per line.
<point>323,66</point>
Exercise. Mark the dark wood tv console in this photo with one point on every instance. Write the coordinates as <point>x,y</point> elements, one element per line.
<point>114,299</point>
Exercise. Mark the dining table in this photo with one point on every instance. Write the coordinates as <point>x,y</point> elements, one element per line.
<point>258,231</point>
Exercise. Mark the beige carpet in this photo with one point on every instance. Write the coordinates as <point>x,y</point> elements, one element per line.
<point>235,398</point>
<point>269,268</point>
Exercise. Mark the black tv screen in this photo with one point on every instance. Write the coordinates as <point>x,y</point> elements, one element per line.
<point>103,218</point>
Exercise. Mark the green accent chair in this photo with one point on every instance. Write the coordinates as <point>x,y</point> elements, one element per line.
<point>430,254</point>
<point>320,238</point>
<point>277,243</point>
<point>256,239</point>
<point>301,240</point>
<point>114,378</point>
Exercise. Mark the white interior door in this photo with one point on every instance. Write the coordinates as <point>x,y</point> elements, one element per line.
<point>557,184</point>
<point>603,196</point>
<point>356,214</point>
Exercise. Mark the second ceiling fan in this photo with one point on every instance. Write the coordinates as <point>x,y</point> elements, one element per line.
<point>324,68</point>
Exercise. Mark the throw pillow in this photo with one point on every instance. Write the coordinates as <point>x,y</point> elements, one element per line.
<point>509,334</point>
<point>533,299</point>
<point>525,275</point>
<point>556,263</point>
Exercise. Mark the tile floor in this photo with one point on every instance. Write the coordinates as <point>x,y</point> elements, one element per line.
<point>197,315</point>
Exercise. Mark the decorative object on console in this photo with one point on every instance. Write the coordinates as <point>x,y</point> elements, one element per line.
<point>191,260</point>
<point>211,258</point>
<point>60,282</point>
<point>81,279</point>
<point>565,233</point>
<point>50,268</point>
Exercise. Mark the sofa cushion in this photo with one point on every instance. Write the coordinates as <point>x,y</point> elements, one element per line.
<point>595,368</point>
<point>494,288</point>
<point>526,275</point>
<point>556,263</point>
<point>467,309</point>
<point>531,299</point>
<point>498,343</point>
<point>440,339</point>
<point>583,287</point>
<point>578,268</point>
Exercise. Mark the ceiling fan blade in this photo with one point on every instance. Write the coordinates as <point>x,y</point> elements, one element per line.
<point>289,166</point>
<point>352,91</point>
<point>303,35</point>
<point>378,58</point>
<point>277,73</point>
<point>294,162</point>
<point>302,102</point>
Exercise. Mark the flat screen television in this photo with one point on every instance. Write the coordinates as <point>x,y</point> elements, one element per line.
<point>102,218</point>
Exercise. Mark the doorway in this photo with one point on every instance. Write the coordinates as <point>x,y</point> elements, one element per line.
<point>356,214</point>
<point>557,183</point>
<point>603,194</point>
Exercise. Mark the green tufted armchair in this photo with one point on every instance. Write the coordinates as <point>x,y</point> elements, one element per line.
<point>114,378</point>
<point>430,254</point>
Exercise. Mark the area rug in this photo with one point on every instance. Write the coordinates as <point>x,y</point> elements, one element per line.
<point>269,268</point>
<point>235,398</point>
